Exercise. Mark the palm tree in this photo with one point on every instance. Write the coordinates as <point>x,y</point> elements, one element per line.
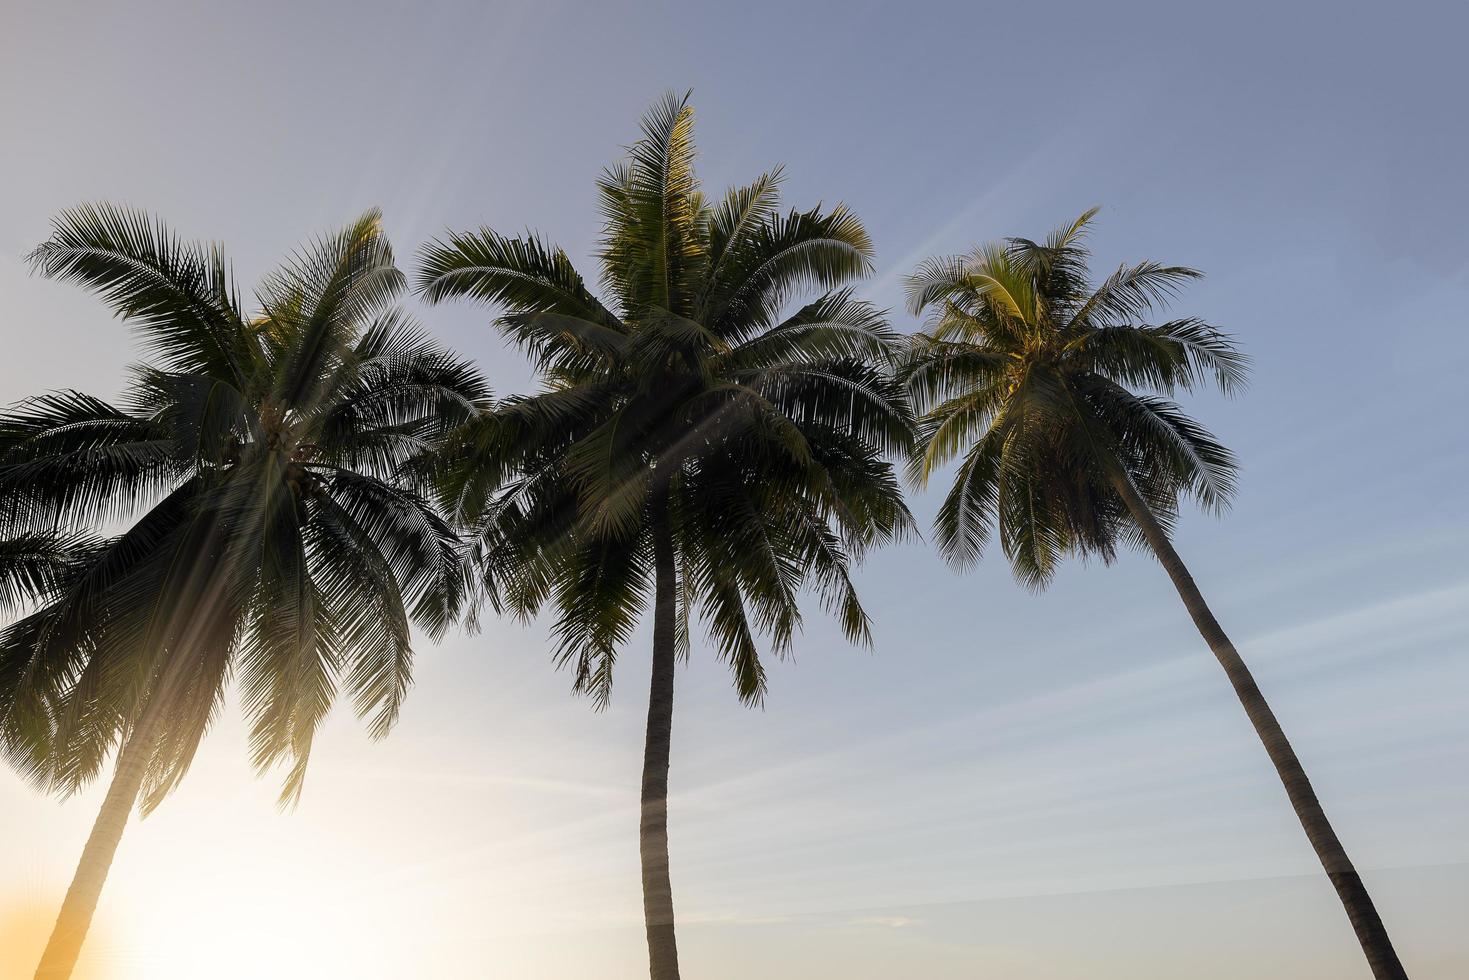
<point>256,528</point>
<point>695,439</point>
<point>1031,379</point>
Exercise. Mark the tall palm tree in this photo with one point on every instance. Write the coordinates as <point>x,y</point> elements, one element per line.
<point>1053,393</point>
<point>256,528</point>
<point>696,442</point>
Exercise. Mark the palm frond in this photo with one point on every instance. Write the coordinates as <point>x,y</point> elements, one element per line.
<point>178,296</point>
<point>525,275</point>
<point>803,250</point>
<point>70,457</point>
<point>35,567</point>
<point>317,305</point>
<point>652,252</point>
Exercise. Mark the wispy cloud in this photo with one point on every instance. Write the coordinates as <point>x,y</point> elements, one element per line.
<point>886,921</point>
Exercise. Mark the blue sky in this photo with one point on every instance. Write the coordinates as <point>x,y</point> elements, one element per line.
<point>1009,785</point>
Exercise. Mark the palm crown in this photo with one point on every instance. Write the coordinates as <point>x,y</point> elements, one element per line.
<point>247,484</point>
<point>690,402</point>
<point>1049,389</point>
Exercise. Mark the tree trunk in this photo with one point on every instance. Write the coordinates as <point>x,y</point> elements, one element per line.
<point>1371,933</point>
<point>653,831</point>
<point>60,957</point>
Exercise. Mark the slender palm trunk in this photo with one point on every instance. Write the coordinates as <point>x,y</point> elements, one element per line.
<point>60,957</point>
<point>1371,933</point>
<point>653,831</point>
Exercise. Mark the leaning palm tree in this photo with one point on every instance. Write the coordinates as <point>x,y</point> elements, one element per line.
<point>255,528</point>
<point>1052,394</point>
<point>697,443</point>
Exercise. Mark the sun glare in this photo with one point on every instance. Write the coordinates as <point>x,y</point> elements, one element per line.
<point>25,925</point>
<point>219,931</point>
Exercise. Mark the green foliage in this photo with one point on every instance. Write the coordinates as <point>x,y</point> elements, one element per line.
<point>1029,377</point>
<point>692,398</point>
<point>251,480</point>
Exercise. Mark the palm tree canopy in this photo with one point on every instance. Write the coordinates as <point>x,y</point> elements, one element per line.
<point>689,393</point>
<point>1045,387</point>
<point>237,514</point>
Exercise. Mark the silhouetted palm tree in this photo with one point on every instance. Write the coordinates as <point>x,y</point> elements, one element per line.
<point>1031,378</point>
<point>247,482</point>
<point>696,443</point>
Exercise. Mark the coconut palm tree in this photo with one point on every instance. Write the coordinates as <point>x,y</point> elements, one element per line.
<point>254,527</point>
<point>697,442</point>
<point>1053,395</point>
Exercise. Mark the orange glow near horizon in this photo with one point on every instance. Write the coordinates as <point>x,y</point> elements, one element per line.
<point>236,932</point>
<point>25,924</point>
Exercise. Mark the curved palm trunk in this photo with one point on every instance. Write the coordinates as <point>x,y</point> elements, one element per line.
<point>65,945</point>
<point>1371,933</point>
<point>653,830</point>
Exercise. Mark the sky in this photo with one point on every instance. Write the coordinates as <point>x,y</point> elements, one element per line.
<point>1008,785</point>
